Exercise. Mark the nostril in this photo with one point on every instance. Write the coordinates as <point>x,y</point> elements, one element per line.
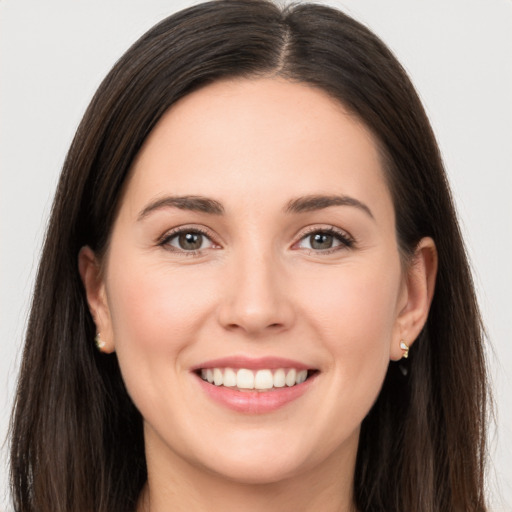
<point>234,326</point>
<point>255,316</point>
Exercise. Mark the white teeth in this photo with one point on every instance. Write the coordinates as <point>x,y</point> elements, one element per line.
<point>290,377</point>
<point>217,377</point>
<point>279,378</point>
<point>244,379</point>
<point>249,379</point>
<point>229,378</point>
<point>301,376</point>
<point>263,379</point>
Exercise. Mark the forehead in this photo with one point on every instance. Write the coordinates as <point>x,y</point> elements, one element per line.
<point>265,136</point>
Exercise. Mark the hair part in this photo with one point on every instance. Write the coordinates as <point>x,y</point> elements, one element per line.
<point>76,437</point>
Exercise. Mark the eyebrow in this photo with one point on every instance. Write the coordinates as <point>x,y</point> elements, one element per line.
<point>319,202</point>
<point>192,203</point>
<point>206,205</point>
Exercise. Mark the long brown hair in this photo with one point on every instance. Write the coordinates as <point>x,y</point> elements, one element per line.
<point>76,437</point>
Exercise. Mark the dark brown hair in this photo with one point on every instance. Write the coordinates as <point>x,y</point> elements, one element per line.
<point>76,438</point>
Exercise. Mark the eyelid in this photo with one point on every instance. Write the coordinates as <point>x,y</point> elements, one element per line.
<point>346,239</point>
<point>164,239</point>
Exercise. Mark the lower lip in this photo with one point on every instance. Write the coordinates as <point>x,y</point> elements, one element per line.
<point>255,402</point>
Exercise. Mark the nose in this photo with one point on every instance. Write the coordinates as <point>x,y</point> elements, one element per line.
<point>256,298</point>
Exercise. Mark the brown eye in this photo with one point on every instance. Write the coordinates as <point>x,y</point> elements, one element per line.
<point>320,241</point>
<point>188,241</point>
<point>325,240</point>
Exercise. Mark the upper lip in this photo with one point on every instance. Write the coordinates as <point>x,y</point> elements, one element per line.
<point>252,363</point>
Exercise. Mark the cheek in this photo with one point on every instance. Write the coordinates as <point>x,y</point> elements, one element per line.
<point>155,313</point>
<point>357,304</point>
<point>151,303</point>
<point>354,314</point>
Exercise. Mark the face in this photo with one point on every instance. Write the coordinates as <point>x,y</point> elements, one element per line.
<point>254,248</point>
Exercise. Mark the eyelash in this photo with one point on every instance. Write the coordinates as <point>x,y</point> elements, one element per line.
<point>165,240</point>
<point>346,241</point>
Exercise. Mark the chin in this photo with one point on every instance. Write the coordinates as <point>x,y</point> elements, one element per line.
<point>263,457</point>
<point>257,471</point>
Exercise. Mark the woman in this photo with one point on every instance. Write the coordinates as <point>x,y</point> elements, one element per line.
<point>253,291</point>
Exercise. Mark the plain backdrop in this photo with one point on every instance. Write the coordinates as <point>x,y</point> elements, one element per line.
<point>54,54</point>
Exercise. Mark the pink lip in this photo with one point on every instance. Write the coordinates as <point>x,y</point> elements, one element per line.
<point>253,402</point>
<point>251,363</point>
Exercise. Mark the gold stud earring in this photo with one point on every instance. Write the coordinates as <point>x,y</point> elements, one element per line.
<point>100,344</point>
<point>405,348</point>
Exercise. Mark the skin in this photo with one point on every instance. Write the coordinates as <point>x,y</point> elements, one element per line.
<point>256,288</point>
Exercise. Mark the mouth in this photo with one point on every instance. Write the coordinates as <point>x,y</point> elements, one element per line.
<point>260,380</point>
<point>251,385</point>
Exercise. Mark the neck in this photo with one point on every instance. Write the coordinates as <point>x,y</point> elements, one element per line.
<point>303,496</point>
<point>181,487</point>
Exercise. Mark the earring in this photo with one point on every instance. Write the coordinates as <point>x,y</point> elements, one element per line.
<point>100,344</point>
<point>405,348</point>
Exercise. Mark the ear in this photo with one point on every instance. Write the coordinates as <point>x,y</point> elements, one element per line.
<point>93,281</point>
<point>419,284</point>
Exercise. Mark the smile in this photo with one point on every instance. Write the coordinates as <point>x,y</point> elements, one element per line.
<point>255,385</point>
<point>260,380</point>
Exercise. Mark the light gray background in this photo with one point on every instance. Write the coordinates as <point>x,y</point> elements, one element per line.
<point>54,54</point>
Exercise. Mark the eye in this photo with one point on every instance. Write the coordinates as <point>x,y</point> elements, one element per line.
<point>325,240</point>
<point>187,240</point>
